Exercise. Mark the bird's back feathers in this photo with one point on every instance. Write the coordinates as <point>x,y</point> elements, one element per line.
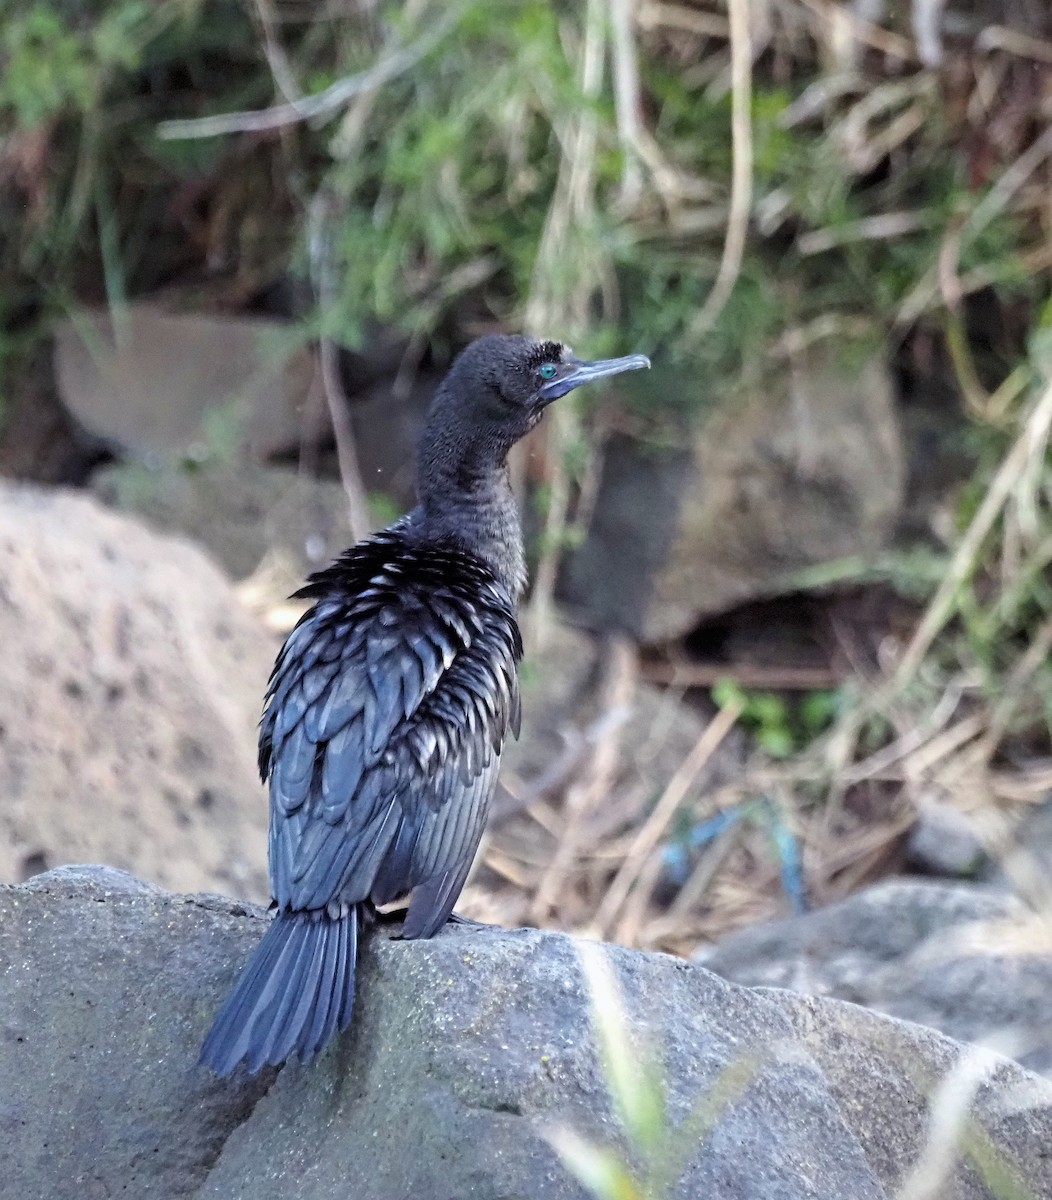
<point>387,711</point>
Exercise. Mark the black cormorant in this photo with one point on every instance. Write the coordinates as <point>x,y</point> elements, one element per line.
<point>388,707</point>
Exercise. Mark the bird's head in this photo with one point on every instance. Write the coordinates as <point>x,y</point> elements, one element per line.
<point>502,383</point>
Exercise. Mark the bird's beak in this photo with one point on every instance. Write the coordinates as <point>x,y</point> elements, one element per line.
<point>573,372</point>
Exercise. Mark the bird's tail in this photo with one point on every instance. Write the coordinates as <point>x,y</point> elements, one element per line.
<point>295,993</point>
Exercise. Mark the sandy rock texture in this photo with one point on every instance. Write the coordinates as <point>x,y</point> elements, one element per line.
<point>130,690</point>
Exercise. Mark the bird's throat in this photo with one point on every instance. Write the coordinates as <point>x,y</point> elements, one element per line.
<point>469,499</point>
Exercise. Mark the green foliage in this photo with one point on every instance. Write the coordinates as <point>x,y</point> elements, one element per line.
<point>456,168</point>
<point>442,182</point>
<point>441,185</point>
<point>780,726</point>
<point>47,67</point>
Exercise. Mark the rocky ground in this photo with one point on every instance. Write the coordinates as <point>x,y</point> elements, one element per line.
<point>971,961</point>
<point>107,985</point>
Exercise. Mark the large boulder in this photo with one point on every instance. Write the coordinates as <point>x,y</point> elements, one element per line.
<point>806,471</point>
<point>157,383</point>
<point>968,961</point>
<point>131,686</point>
<point>464,1052</point>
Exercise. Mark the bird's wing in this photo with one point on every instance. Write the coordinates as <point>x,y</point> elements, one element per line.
<point>385,718</point>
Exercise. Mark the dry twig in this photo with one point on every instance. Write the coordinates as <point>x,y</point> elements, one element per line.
<point>741,173</point>
<point>665,809</point>
<point>621,671</point>
<point>326,102</point>
<point>335,397</point>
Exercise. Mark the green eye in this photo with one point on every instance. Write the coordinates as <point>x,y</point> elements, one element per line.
<point>547,371</point>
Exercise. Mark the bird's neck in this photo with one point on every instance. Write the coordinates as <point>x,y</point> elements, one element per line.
<point>465,494</point>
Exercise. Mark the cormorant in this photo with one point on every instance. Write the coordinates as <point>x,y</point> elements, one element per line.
<point>388,707</point>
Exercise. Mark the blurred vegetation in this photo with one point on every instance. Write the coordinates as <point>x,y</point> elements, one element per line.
<point>496,164</point>
<point>572,168</point>
<point>657,1152</point>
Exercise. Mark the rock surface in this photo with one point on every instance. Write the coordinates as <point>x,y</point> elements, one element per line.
<point>129,694</point>
<point>159,383</point>
<point>39,439</point>
<point>464,1050</point>
<point>967,961</point>
<point>809,471</point>
<point>237,512</point>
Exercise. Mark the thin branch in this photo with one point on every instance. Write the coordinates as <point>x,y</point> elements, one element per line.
<point>987,210</point>
<point>325,102</point>
<point>926,19</point>
<point>892,44</point>
<point>572,204</point>
<point>884,226</point>
<point>655,15</point>
<point>706,675</point>
<point>336,398</point>
<point>616,690</point>
<point>626,99</point>
<point>741,177</point>
<point>579,746</point>
<point>648,837</point>
<point>1014,41</point>
<point>1032,440</point>
<point>277,59</point>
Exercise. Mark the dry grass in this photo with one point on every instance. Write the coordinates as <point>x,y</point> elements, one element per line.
<point>592,854</point>
<point>932,720</point>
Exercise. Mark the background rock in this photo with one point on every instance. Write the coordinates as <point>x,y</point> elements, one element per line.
<point>1024,860</point>
<point>129,698</point>
<point>943,843</point>
<point>463,1050</point>
<point>609,581</point>
<point>106,984</point>
<point>884,1074</point>
<point>386,418</point>
<point>39,439</point>
<point>238,512</point>
<point>805,472</point>
<point>967,961</point>
<point>157,383</point>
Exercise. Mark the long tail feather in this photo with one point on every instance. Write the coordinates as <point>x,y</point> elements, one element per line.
<point>295,993</point>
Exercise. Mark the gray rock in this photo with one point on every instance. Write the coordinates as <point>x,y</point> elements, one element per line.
<point>964,960</point>
<point>39,440</point>
<point>805,472</point>
<point>105,986</point>
<point>159,383</point>
<point>463,1052</point>
<point>131,686</point>
<point>884,1074</point>
<point>236,512</point>
<point>1023,861</point>
<point>610,580</point>
<point>386,419</point>
<point>943,843</point>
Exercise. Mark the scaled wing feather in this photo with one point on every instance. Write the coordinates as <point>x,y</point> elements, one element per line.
<point>386,715</point>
